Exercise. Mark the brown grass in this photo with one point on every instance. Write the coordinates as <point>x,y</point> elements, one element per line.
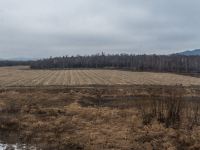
<point>22,76</point>
<point>172,110</point>
<point>99,118</point>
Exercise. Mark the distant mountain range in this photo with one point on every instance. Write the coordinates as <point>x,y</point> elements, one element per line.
<point>195,52</point>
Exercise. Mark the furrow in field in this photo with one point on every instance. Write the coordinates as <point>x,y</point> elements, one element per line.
<point>114,77</point>
<point>72,77</point>
<point>20,77</point>
<point>59,78</point>
<point>15,78</point>
<point>89,78</point>
<point>45,77</point>
<point>50,79</point>
<point>83,80</point>
<point>33,81</point>
<point>23,78</point>
<point>94,79</point>
<point>67,77</point>
<point>40,78</point>
<point>62,77</point>
<point>76,77</point>
<point>110,77</point>
<point>129,78</point>
<point>99,79</point>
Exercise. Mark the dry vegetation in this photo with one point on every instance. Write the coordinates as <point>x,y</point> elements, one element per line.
<point>22,76</point>
<point>136,117</point>
<point>135,110</point>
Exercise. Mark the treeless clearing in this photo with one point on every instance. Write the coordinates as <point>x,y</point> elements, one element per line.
<point>23,76</point>
<point>97,119</point>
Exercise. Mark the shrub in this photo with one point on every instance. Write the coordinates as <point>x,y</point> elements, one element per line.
<point>166,109</point>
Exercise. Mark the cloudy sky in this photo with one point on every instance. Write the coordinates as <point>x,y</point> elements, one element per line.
<point>43,28</point>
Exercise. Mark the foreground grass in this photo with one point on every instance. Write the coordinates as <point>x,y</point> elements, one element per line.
<point>90,119</point>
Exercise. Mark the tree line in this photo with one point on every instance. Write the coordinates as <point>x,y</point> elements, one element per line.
<point>158,63</point>
<point>4,63</point>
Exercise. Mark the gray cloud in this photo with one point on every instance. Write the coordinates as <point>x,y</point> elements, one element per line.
<point>35,28</point>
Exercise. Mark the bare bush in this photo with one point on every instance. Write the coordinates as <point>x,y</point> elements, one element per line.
<point>166,109</point>
<point>192,114</point>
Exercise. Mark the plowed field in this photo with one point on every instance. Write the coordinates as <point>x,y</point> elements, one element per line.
<point>22,76</point>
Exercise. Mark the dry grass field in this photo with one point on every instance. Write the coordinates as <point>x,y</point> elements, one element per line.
<point>22,76</point>
<point>98,119</point>
<point>122,110</point>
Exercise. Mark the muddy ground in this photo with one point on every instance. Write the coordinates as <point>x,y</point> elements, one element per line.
<point>94,118</point>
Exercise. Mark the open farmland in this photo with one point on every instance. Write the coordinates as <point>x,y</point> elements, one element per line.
<point>139,116</point>
<point>23,76</point>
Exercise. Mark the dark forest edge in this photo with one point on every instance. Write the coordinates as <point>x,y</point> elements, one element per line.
<point>10,63</point>
<point>157,63</point>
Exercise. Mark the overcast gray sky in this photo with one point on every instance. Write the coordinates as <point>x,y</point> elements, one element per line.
<point>43,28</point>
